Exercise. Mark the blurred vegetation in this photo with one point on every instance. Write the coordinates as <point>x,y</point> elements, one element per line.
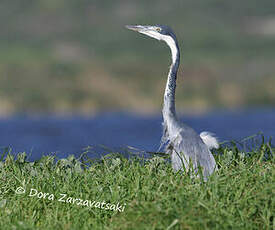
<point>76,56</point>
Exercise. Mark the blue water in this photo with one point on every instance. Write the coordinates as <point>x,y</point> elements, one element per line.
<point>47,135</point>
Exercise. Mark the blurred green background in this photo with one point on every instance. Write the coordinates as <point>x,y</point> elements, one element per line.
<point>75,56</point>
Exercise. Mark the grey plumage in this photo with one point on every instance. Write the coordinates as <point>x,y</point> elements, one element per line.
<point>180,141</point>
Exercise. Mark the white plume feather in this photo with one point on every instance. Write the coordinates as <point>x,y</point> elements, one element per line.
<point>209,140</point>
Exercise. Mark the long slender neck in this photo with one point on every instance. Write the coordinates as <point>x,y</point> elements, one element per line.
<point>169,110</point>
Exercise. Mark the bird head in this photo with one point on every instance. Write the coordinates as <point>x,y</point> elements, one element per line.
<point>159,32</point>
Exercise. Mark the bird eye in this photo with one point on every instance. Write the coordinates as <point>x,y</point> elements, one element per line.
<point>158,29</point>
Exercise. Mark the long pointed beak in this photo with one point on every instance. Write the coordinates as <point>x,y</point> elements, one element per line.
<point>137,28</point>
<point>147,30</point>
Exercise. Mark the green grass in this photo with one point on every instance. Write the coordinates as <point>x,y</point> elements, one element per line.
<point>237,196</point>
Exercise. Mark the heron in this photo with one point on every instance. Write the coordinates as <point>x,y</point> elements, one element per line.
<point>182,142</point>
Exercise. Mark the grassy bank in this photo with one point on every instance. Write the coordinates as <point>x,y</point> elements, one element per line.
<point>150,194</point>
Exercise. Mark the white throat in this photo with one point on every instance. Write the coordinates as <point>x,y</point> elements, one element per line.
<point>169,40</point>
<point>173,47</point>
